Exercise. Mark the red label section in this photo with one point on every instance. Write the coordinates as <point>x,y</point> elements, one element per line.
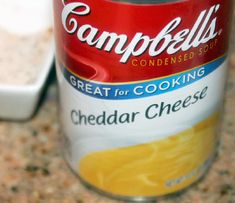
<point>109,41</point>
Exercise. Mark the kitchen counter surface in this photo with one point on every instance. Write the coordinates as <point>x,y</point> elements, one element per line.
<point>33,171</point>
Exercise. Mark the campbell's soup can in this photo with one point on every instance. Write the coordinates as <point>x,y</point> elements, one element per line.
<point>141,90</point>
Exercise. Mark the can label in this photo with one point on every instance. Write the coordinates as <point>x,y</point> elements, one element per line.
<point>141,87</point>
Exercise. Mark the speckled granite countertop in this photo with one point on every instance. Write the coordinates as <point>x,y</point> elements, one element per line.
<point>33,171</point>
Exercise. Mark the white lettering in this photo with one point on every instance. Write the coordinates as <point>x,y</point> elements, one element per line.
<point>203,30</point>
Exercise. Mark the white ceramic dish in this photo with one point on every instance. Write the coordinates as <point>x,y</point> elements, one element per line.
<point>19,102</point>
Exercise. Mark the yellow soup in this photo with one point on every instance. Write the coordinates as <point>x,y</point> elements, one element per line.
<point>159,167</point>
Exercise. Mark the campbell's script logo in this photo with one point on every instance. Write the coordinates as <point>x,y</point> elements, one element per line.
<point>203,30</point>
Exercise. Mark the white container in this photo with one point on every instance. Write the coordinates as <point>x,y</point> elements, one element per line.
<point>19,102</point>
<point>25,18</point>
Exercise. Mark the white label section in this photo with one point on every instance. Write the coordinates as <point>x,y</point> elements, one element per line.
<point>135,121</point>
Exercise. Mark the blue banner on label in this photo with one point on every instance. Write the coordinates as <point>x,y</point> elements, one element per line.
<point>134,90</point>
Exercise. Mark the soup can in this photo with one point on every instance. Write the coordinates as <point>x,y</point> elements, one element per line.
<point>141,87</point>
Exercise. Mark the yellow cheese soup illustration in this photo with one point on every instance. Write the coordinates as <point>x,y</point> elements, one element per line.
<point>162,166</point>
